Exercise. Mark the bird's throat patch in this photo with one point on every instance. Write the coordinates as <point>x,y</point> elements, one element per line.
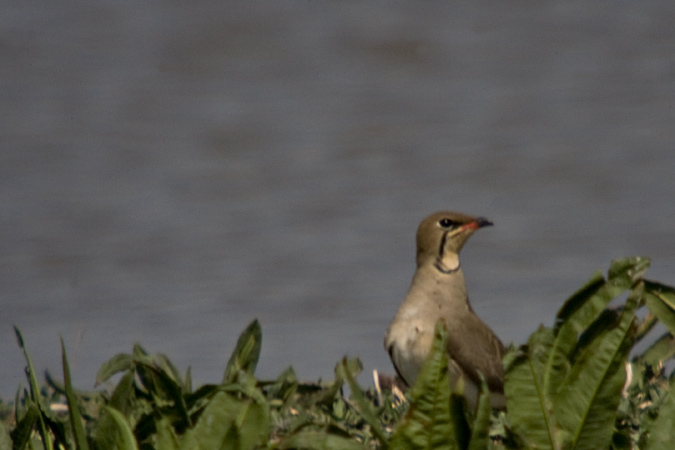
<point>448,262</point>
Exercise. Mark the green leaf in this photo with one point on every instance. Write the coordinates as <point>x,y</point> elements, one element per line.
<point>427,423</point>
<point>587,404</point>
<point>118,363</point>
<point>587,303</point>
<point>116,434</point>
<point>251,418</point>
<point>35,394</point>
<point>73,407</point>
<point>246,353</point>
<point>232,440</point>
<point>285,386</point>
<point>660,300</point>
<point>659,352</point>
<point>574,304</point>
<point>187,382</point>
<point>661,429</point>
<point>5,439</point>
<point>628,270</point>
<point>166,387</point>
<point>163,363</point>
<point>480,435</point>
<point>529,412</point>
<point>123,396</point>
<point>139,353</point>
<point>574,316</point>
<point>210,429</point>
<point>166,437</point>
<point>253,424</point>
<point>319,440</point>
<point>24,428</point>
<point>645,326</point>
<point>459,422</point>
<point>367,413</point>
<point>582,309</point>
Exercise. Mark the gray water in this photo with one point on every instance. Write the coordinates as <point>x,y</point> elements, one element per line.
<point>169,173</point>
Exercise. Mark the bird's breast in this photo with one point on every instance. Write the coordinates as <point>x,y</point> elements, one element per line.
<point>408,343</point>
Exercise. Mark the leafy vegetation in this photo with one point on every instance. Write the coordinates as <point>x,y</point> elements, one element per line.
<point>575,385</point>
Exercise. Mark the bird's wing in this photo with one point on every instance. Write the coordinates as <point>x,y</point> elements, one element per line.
<point>475,348</point>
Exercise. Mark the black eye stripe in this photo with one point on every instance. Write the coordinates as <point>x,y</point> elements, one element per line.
<point>446,223</point>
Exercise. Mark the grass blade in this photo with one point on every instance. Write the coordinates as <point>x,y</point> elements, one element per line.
<point>35,393</point>
<point>73,407</point>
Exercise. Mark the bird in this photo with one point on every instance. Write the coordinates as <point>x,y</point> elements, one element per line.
<point>438,291</point>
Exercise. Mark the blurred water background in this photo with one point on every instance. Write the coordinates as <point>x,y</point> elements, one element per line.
<point>169,172</point>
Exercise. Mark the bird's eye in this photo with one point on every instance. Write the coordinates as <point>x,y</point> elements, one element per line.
<point>446,223</point>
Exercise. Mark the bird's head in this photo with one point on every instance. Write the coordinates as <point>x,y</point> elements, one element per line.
<point>441,236</point>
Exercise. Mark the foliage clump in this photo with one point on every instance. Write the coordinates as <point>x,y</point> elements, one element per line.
<point>575,385</point>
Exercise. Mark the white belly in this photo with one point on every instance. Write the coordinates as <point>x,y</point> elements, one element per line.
<point>409,344</point>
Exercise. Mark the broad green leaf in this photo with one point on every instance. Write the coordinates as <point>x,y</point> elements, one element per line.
<point>223,411</point>
<point>166,436</point>
<point>365,407</point>
<point>123,396</point>
<point>587,303</point>
<point>247,385</point>
<point>660,300</point>
<point>285,386</point>
<point>118,363</point>
<point>5,439</point>
<point>582,309</point>
<point>480,435</point>
<point>659,352</point>
<point>166,387</point>
<point>661,429</point>
<point>427,425</point>
<point>117,434</point>
<point>574,304</point>
<point>319,440</point>
<point>571,319</point>
<point>35,394</point>
<point>253,424</point>
<point>165,365</point>
<point>628,270</point>
<point>587,403</point>
<point>139,353</point>
<point>232,440</point>
<point>529,412</point>
<point>24,428</point>
<point>645,326</point>
<point>210,429</point>
<point>246,353</point>
<point>459,421</point>
<point>73,407</point>
<point>326,397</point>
